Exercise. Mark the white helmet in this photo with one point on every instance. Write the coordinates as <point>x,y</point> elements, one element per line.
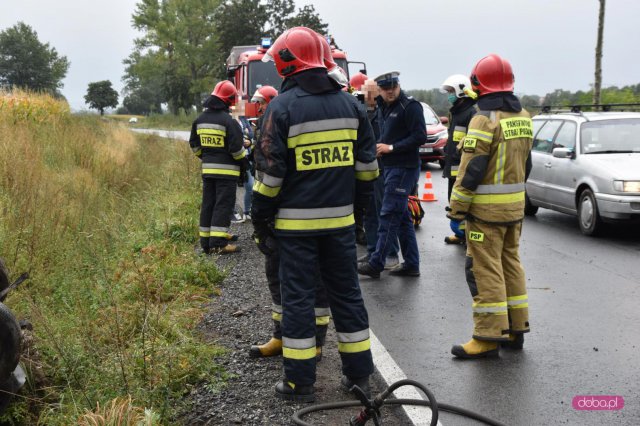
<point>459,83</point>
<point>339,75</point>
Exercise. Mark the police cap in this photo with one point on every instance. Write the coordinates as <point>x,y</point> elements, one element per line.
<point>388,79</point>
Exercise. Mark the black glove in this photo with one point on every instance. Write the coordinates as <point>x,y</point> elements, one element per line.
<point>455,216</point>
<point>264,238</point>
<point>244,170</point>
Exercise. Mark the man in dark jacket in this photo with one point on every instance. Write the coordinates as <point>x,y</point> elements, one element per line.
<point>216,138</point>
<point>463,100</point>
<point>402,131</point>
<point>315,160</point>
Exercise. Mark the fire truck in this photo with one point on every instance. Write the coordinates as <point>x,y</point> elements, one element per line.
<point>247,71</point>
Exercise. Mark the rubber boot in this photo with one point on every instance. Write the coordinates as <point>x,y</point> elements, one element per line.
<point>363,383</point>
<point>475,348</point>
<point>289,391</point>
<point>453,240</point>
<point>228,249</point>
<point>516,342</point>
<point>272,348</point>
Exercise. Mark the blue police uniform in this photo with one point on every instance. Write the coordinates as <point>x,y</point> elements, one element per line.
<point>402,125</point>
<point>315,160</point>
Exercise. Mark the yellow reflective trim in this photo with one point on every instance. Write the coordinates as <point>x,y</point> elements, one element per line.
<point>204,234</point>
<point>454,172</point>
<point>480,134</point>
<point>265,190</point>
<point>489,305</point>
<point>290,353</point>
<point>276,316</point>
<point>469,144</point>
<point>211,132</point>
<point>519,306</point>
<point>351,348</point>
<point>314,224</point>
<point>523,297</point>
<point>367,176</point>
<point>219,234</point>
<point>323,136</point>
<point>240,156</point>
<point>198,153</point>
<point>221,172</point>
<point>477,237</point>
<point>458,135</point>
<point>457,195</point>
<point>498,198</point>
<point>498,177</point>
<point>322,156</point>
<point>323,320</point>
<point>516,127</point>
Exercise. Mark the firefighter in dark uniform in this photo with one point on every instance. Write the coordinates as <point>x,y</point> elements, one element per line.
<point>216,138</point>
<point>489,193</point>
<point>316,160</point>
<point>463,100</point>
<point>402,131</point>
<point>263,96</point>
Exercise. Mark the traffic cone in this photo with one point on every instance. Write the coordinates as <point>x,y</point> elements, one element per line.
<point>428,194</point>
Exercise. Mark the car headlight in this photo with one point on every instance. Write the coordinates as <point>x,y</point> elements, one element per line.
<point>441,135</point>
<point>626,185</point>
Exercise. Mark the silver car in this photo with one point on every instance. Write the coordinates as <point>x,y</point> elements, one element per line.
<point>586,164</point>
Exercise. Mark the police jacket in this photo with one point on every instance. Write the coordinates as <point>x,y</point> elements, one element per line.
<point>460,115</point>
<point>316,157</point>
<point>495,164</point>
<point>402,125</point>
<point>216,138</point>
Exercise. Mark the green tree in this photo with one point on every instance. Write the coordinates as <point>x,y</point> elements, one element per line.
<point>27,63</point>
<point>101,95</point>
<point>180,40</point>
<point>308,17</point>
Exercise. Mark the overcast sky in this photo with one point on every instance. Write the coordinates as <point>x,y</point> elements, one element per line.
<point>550,43</point>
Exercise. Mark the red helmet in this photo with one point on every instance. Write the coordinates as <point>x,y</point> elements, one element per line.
<point>492,74</point>
<point>327,56</point>
<point>264,93</point>
<point>297,49</point>
<point>357,81</point>
<point>226,92</point>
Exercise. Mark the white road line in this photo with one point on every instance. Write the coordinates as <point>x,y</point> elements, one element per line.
<point>391,373</point>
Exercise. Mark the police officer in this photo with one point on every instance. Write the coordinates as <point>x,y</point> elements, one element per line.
<point>316,159</point>
<point>216,138</point>
<point>463,100</point>
<point>489,193</point>
<point>402,131</point>
<point>263,96</point>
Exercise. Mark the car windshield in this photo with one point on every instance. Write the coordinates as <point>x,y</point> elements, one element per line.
<point>611,136</point>
<point>263,74</point>
<point>430,117</point>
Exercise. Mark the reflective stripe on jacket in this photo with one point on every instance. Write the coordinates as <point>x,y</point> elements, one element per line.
<point>315,158</point>
<point>216,138</point>
<point>490,183</point>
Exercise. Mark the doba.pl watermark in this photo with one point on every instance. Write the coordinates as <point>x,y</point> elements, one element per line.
<point>598,402</point>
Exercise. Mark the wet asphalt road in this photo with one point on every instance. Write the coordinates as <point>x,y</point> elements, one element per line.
<point>584,298</point>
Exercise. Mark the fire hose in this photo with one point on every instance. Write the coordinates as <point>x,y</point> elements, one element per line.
<point>371,410</point>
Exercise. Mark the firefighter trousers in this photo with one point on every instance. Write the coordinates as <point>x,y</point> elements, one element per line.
<point>335,256</point>
<point>218,201</point>
<point>321,309</point>
<point>496,280</point>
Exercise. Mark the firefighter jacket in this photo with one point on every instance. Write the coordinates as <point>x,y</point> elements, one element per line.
<point>460,115</point>
<point>494,166</point>
<point>316,157</point>
<point>216,138</point>
<point>402,125</point>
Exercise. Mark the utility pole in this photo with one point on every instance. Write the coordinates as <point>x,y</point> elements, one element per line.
<point>598,77</point>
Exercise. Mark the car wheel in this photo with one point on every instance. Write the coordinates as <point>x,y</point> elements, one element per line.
<point>588,216</point>
<point>529,209</point>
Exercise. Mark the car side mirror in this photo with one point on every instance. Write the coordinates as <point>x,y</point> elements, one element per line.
<point>444,120</point>
<point>562,152</point>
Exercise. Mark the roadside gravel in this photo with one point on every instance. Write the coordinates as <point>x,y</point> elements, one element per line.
<point>241,316</point>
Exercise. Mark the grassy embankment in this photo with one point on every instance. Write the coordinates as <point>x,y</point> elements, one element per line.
<point>105,222</point>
